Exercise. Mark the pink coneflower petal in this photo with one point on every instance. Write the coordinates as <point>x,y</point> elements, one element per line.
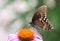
<point>37,37</point>
<point>13,37</point>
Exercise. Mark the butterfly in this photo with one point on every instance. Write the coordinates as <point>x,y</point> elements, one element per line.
<point>40,19</point>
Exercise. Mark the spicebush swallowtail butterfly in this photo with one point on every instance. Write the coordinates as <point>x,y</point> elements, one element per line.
<point>40,19</point>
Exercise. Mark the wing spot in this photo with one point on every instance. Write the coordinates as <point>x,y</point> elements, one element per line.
<point>44,27</point>
<point>40,19</point>
<point>44,18</point>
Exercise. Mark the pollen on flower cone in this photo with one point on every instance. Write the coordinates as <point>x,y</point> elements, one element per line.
<point>26,34</point>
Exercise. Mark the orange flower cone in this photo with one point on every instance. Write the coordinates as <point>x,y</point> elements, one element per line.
<point>26,34</point>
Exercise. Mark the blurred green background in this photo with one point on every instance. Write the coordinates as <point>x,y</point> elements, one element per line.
<point>18,14</point>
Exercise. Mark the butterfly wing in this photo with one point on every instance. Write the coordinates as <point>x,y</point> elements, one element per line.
<point>40,18</point>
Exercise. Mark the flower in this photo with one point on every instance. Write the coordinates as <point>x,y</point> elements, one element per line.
<point>25,35</point>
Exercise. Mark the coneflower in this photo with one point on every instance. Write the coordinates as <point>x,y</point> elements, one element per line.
<point>25,34</point>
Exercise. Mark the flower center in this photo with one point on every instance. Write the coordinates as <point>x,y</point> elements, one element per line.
<point>25,34</point>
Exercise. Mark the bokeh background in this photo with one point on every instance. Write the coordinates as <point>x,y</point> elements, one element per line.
<point>15,14</point>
